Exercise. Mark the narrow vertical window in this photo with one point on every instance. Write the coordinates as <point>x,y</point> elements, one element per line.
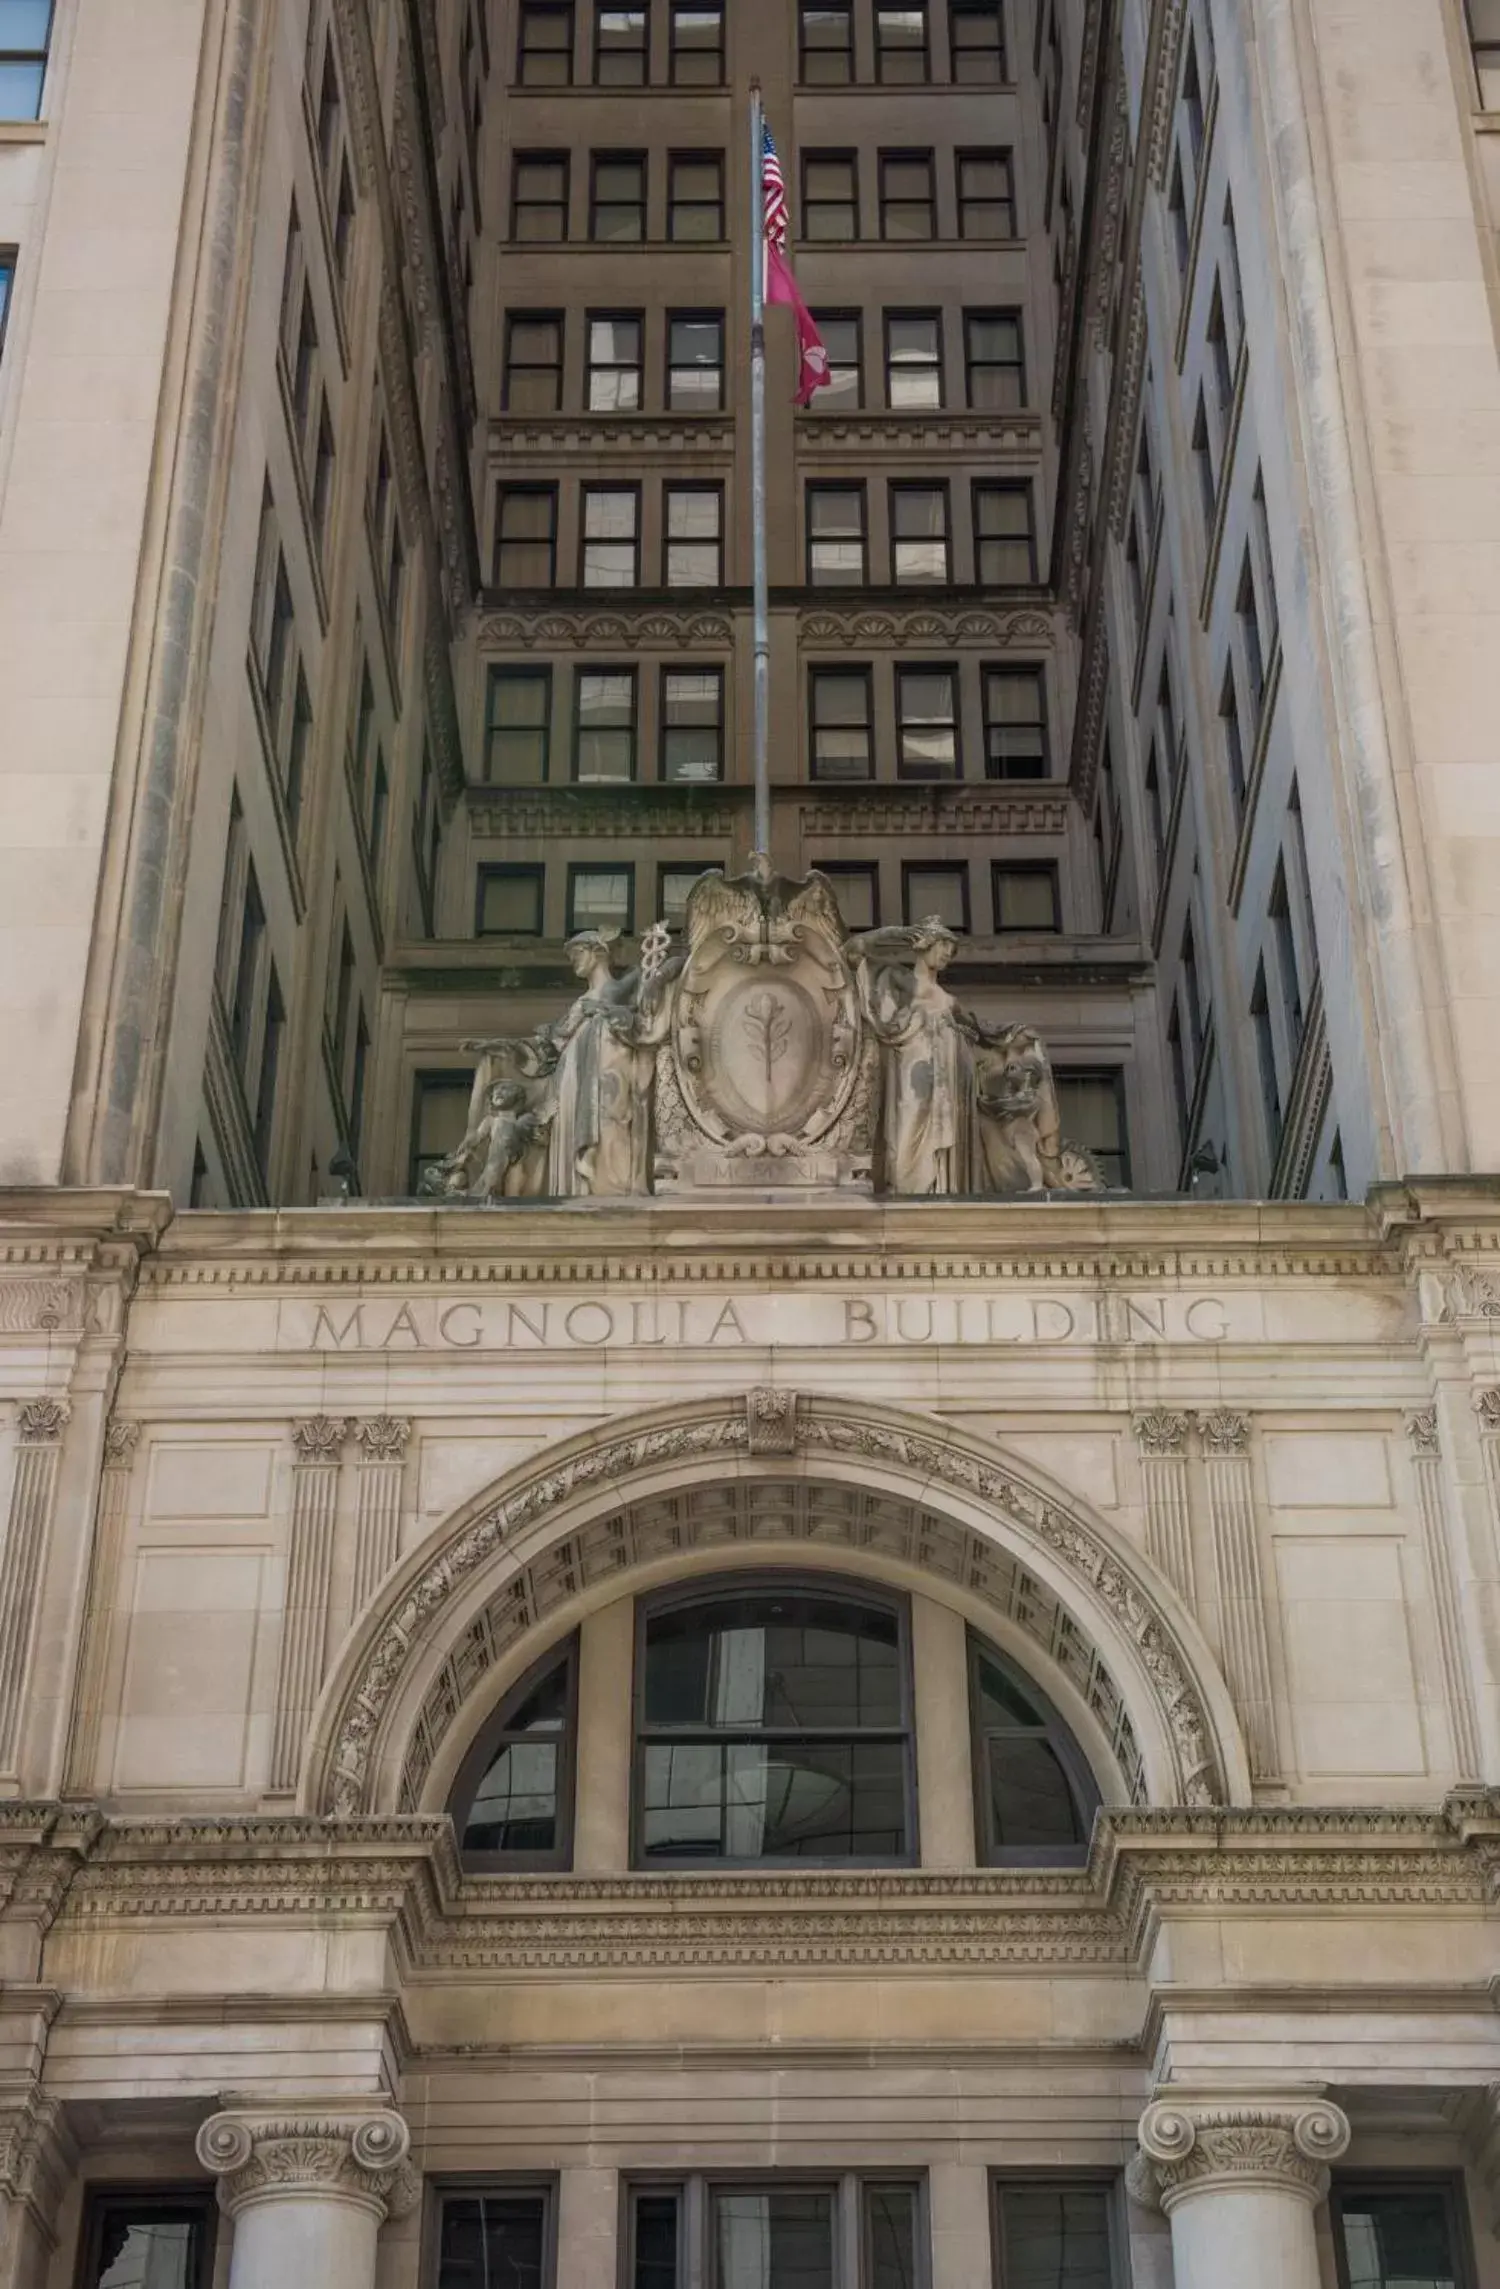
<point>901,49</point>
<point>826,42</point>
<point>621,45</point>
<point>614,365</point>
<point>695,196</point>
<point>544,56</point>
<point>908,207</point>
<point>697,44</point>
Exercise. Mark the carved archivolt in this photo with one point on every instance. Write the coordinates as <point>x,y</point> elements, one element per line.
<point>838,1476</point>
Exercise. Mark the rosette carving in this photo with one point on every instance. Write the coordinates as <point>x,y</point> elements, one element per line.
<point>360,2158</point>
<point>1283,2146</point>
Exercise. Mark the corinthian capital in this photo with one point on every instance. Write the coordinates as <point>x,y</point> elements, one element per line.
<point>359,2158</point>
<point>1198,2146</point>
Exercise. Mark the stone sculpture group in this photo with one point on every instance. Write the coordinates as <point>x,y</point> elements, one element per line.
<point>769,1050</point>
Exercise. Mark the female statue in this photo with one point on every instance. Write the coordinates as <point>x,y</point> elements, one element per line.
<point>600,1139</point>
<point>927,1109</point>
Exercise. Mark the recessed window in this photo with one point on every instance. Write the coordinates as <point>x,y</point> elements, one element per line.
<point>1015,724</point>
<point>692,726</point>
<point>843,339</point>
<point>913,360</point>
<point>921,552</point>
<point>901,57</point>
<point>137,2235</point>
<point>695,196</point>
<point>25,28</point>
<point>976,34</point>
<point>830,195</point>
<point>773,1725</point>
<point>545,54</point>
<point>695,361</point>
<point>539,196</point>
<point>500,2234</point>
<point>1026,897</point>
<point>907,201</point>
<point>1092,1107</point>
<point>1055,2236</point>
<point>533,361</point>
<point>1394,2233</point>
<point>826,40</point>
<point>994,360</point>
<point>836,543</point>
<point>697,44</point>
<point>604,735</point>
<point>508,902</point>
<point>526,537</point>
<point>927,723</point>
<point>617,196</point>
<point>857,888</point>
<point>439,1118</point>
<point>614,367</point>
<point>694,536</point>
<point>611,537</point>
<point>674,887</point>
<point>601,898</point>
<point>1004,536</point>
<point>1034,1793</point>
<point>936,893</point>
<point>986,195</point>
<point>840,706</point>
<point>512,1801</point>
<point>620,45</point>
<point>791,2233</point>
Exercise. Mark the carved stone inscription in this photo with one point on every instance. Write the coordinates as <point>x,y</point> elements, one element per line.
<point>734,1322</point>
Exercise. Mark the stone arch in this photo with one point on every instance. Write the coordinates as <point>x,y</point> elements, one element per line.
<point>773,1470</point>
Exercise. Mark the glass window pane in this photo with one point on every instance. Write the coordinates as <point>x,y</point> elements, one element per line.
<point>937,892</point>
<point>1000,1700</point>
<point>141,2253</point>
<point>510,904</point>
<point>600,899</point>
<point>675,884</point>
<point>773,2240</point>
<point>1025,898</point>
<point>515,1805</point>
<point>25,24</point>
<point>1055,2237</point>
<point>1398,2240</point>
<point>854,888</point>
<point>1030,1800</point>
<point>654,2241</point>
<point>20,90</point>
<point>891,2237</point>
<point>789,1660</point>
<point>1091,1116</point>
<point>488,2239</point>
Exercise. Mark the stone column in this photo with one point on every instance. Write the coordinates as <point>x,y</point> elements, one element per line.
<point>1239,2181</point>
<point>37,2160</point>
<point>41,1423</point>
<point>1162,1438</point>
<point>945,1777</point>
<point>309,1576</point>
<point>120,1442</point>
<point>1237,1581</point>
<point>1427,1470</point>
<point>377,1517</point>
<point>308,2193</point>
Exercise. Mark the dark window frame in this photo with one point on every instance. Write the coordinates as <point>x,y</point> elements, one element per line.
<point>562,206</point>
<point>580,870</point>
<point>772,1581</point>
<point>504,493</point>
<point>585,493</point>
<point>504,871</point>
<point>543,2185</point>
<point>993,672</point>
<point>883,49</point>
<point>885,161</point>
<point>841,157</point>
<point>590,667</point>
<point>593,365</point>
<point>905,669</point>
<point>824,671</point>
<point>1060,1737</point>
<point>958,868</point>
<point>1012,316</point>
<point>510,367</point>
<point>40,58</point>
<point>1001,155</point>
<point>670,668</point>
<point>939,364</point>
<point>823,318</point>
<point>845,8</point>
<point>1103,2182</point>
<point>493,1735</point>
<point>846,870</point>
<point>641,205</point>
<point>676,204</point>
<point>1114,1077</point>
<point>899,488</point>
<point>697,867</point>
<point>1349,2184</point>
<point>986,11</point>
<point>708,488</point>
<point>694,2193</point>
<point>714,318</point>
<point>1003,488</point>
<point>8,262</point>
<point>598,52</point>
<point>528,14</point>
<point>676,50</point>
<point>423,1079</point>
<point>498,673</point>
<point>190,2200</point>
<point>856,485</point>
<point>1036,869</point>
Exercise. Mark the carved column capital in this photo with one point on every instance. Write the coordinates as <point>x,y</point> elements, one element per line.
<point>1197,2146</point>
<point>1487,1407</point>
<point>382,1438</point>
<point>41,1422</point>
<point>321,1438</point>
<point>1162,1433</point>
<point>355,2158</point>
<point>1225,1433</point>
<point>1422,1430</point>
<point>120,1443</point>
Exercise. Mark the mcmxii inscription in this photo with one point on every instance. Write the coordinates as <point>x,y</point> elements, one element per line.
<point>771,1050</point>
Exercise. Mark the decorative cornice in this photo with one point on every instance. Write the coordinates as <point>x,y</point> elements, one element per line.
<point>1195,2147</point>
<point>120,1442</point>
<point>41,1306</point>
<point>1422,1431</point>
<point>1162,1433</point>
<point>901,813</point>
<point>41,1422</point>
<point>571,436</point>
<point>965,436</point>
<point>551,626</point>
<point>321,1438</point>
<point>36,2150</point>
<point>565,811</point>
<point>382,1438</point>
<point>1225,1433</point>
<point>360,2158</point>
<point>1024,627</point>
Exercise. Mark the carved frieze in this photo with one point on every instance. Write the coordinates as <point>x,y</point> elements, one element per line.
<point>1022,629</point>
<point>655,628</point>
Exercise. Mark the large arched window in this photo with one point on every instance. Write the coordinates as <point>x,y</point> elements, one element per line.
<point>512,1803</point>
<point>773,1724</point>
<point>1035,1797</point>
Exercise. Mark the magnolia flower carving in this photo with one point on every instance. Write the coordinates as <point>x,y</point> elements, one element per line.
<point>768,1029</point>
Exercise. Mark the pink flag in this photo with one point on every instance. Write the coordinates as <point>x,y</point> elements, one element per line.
<point>781,286</point>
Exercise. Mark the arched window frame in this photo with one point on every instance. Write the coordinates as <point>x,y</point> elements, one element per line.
<point>493,1736</point>
<point>1059,1736</point>
<point>710,1590</point>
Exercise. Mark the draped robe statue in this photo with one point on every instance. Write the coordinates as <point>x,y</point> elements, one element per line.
<point>927,1110</point>
<point>600,1139</point>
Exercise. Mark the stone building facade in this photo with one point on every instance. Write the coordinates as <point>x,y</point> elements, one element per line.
<point>750,1738</point>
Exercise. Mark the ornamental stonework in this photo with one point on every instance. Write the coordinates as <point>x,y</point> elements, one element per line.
<point>355,2158</point>
<point>1204,2147</point>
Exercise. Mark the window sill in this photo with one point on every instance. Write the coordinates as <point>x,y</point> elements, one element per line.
<point>23,131</point>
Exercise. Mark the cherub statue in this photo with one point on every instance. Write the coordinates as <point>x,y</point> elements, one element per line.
<point>1019,1144</point>
<point>503,1153</point>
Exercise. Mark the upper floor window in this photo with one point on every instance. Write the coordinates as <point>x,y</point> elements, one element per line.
<point>1034,1795</point>
<point>25,28</point>
<point>614,369</point>
<point>913,360</point>
<point>1484,32</point>
<point>539,196</point>
<point>976,34</point>
<point>783,2233</point>
<point>620,46</point>
<point>920,543</point>
<point>901,55</point>
<point>604,727</point>
<point>695,195</point>
<point>773,1725</point>
<point>617,195</point>
<point>501,2233</point>
<point>986,195</point>
<point>439,1117</point>
<point>1015,724</point>
<point>837,552</point>
<point>830,195</point>
<point>518,726</point>
<point>545,55</point>
<point>513,1798</point>
<point>994,361</point>
<point>826,41</point>
<point>533,361</point>
<point>839,703</point>
<point>697,44</point>
<point>927,726</point>
<point>1392,2232</point>
<point>695,361</point>
<point>166,2238</point>
<point>526,537</point>
<point>1056,2234</point>
<point>1004,535</point>
<point>843,339</point>
<point>694,536</point>
<point>936,891</point>
<point>907,199</point>
<point>1092,1104</point>
<point>692,725</point>
<point>611,537</point>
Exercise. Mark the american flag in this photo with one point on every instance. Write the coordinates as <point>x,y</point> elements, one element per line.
<point>774,195</point>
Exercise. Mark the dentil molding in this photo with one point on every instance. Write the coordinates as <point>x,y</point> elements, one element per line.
<point>1194,2147</point>
<point>358,2158</point>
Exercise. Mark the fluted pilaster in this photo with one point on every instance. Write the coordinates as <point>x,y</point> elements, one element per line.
<point>377,1518</point>
<point>41,1424</point>
<point>1162,1438</point>
<point>319,1445</point>
<point>1437,1549</point>
<point>1238,1583</point>
<point>120,1442</point>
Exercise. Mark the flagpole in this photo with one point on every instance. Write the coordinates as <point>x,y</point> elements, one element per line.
<point>758,470</point>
